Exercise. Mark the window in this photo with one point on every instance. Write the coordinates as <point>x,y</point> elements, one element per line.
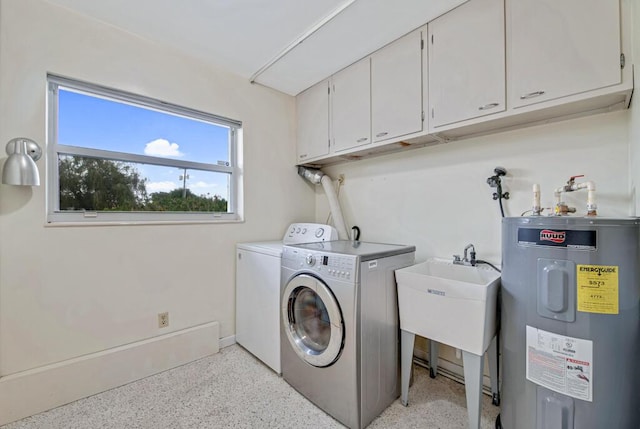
<point>115,156</point>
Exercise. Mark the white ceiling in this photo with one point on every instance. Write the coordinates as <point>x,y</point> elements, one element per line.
<point>243,36</point>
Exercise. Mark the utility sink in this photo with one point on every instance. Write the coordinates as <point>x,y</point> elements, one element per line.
<point>449,303</point>
<point>454,305</point>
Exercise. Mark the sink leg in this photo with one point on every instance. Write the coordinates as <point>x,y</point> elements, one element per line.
<point>473,365</point>
<point>407,340</point>
<point>493,370</point>
<point>433,358</point>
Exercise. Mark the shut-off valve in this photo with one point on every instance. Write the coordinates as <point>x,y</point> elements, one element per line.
<point>561,208</point>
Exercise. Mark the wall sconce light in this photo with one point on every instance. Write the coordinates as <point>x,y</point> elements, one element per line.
<point>20,168</point>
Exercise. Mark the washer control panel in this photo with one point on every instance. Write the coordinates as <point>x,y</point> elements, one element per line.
<point>326,265</point>
<point>341,267</point>
<point>309,233</point>
<point>311,260</point>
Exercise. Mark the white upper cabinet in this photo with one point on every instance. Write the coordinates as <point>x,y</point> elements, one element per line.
<point>558,48</point>
<point>467,62</point>
<point>484,66</point>
<point>351,106</point>
<point>396,88</point>
<point>312,108</point>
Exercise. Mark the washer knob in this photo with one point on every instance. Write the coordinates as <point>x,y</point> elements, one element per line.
<point>319,232</point>
<point>311,260</point>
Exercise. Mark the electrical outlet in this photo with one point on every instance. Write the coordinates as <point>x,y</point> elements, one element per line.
<point>163,319</point>
<point>341,179</point>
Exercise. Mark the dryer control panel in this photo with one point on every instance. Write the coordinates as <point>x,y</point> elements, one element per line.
<point>309,233</point>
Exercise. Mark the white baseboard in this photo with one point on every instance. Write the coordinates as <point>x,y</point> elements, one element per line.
<point>30,392</point>
<point>227,341</point>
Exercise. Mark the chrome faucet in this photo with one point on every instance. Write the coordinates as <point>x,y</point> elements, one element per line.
<point>471,261</point>
<point>465,260</point>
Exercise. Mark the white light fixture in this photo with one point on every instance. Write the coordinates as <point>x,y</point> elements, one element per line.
<point>20,168</point>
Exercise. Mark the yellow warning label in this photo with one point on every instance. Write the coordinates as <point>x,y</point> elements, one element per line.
<point>597,288</point>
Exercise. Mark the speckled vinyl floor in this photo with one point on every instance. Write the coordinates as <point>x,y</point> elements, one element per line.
<point>232,389</point>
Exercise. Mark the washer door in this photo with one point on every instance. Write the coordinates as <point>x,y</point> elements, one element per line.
<point>312,320</point>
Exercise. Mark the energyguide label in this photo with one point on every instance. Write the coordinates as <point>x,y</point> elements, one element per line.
<point>597,288</point>
<point>560,363</point>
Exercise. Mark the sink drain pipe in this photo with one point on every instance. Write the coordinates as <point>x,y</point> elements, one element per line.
<point>317,177</point>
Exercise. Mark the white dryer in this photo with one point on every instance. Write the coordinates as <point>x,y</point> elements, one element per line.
<point>258,289</point>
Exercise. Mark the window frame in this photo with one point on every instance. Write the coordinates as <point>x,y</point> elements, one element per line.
<point>57,216</point>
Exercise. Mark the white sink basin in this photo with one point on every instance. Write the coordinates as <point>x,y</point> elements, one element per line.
<point>451,304</point>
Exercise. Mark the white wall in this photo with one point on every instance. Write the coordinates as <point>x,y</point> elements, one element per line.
<point>72,291</point>
<point>437,197</point>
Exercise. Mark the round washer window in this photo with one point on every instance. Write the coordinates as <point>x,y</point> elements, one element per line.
<point>313,321</point>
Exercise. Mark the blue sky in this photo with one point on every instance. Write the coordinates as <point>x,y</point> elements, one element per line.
<point>97,123</point>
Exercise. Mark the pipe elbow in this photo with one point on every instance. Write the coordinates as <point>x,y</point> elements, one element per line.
<point>589,185</point>
<point>312,175</point>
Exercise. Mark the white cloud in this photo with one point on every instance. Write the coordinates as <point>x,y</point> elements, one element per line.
<point>160,186</point>
<point>162,147</point>
<point>203,185</point>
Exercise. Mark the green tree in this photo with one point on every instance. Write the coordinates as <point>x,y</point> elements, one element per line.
<point>178,200</point>
<point>100,184</point>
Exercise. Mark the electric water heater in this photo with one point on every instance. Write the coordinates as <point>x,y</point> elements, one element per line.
<point>570,324</point>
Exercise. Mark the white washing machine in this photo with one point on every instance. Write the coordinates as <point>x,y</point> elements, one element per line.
<point>258,290</point>
<point>339,326</point>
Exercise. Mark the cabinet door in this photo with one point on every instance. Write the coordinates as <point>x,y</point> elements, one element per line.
<point>312,134</point>
<point>396,88</point>
<point>351,106</point>
<point>562,47</point>
<point>467,62</point>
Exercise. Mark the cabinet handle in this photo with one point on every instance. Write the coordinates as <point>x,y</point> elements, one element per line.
<point>488,106</point>
<point>382,134</point>
<point>531,95</point>
<point>362,139</point>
